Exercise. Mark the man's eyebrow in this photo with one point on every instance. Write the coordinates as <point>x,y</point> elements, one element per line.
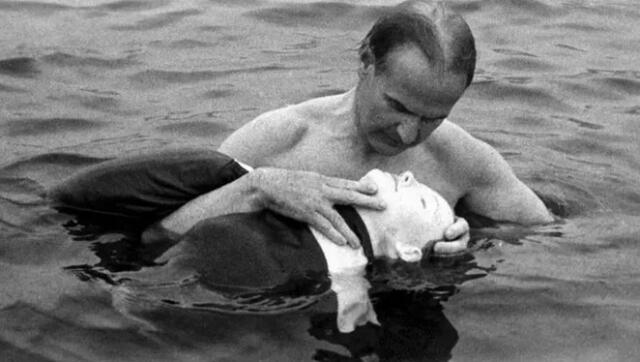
<point>398,106</point>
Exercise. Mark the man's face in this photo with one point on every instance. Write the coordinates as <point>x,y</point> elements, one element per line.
<point>415,214</point>
<point>400,107</point>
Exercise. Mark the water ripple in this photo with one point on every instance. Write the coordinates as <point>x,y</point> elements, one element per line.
<point>467,7</point>
<point>69,60</point>
<point>582,91</point>
<point>9,89</point>
<point>317,14</point>
<point>633,110</point>
<point>578,27</point>
<point>189,44</point>
<point>32,6</point>
<point>530,7</point>
<point>579,122</point>
<point>40,126</point>
<point>156,77</point>
<point>131,5</point>
<point>236,2</point>
<point>218,93</point>
<point>196,128</point>
<point>624,85</point>
<point>524,64</point>
<point>100,103</point>
<point>494,91</point>
<point>565,46</point>
<point>19,67</point>
<point>513,52</point>
<point>159,21</point>
<point>585,146</point>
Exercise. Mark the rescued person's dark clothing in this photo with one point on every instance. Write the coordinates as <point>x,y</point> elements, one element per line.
<point>238,254</point>
<point>145,187</point>
<point>255,250</point>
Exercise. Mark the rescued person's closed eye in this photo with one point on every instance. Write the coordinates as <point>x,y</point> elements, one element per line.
<point>415,217</point>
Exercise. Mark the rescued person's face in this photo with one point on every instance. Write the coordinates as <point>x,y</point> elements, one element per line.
<point>400,107</point>
<point>415,214</point>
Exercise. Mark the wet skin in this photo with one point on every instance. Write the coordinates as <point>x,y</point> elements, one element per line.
<point>400,107</point>
<point>391,121</point>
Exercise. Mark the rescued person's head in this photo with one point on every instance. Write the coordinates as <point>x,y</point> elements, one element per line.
<point>442,35</point>
<point>414,218</point>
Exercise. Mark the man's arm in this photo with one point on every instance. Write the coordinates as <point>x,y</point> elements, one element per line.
<point>488,184</point>
<point>305,196</point>
<point>497,193</point>
<point>301,195</point>
<point>234,197</point>
<point>253,143</point>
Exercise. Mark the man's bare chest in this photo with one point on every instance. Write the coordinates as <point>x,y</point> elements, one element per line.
<point>339,160</point>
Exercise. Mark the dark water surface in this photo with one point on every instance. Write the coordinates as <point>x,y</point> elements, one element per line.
<point>557,92</point>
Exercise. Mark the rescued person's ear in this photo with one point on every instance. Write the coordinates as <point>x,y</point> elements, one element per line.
<point>409,253</point>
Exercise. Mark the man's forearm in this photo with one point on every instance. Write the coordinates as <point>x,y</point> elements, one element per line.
<point>511,203</point>
<point>240,195</point>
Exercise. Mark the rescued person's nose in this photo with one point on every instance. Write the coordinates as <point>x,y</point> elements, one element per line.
<point>408,130</point>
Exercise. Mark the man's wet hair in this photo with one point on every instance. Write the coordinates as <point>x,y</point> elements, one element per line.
<point>408,23</point>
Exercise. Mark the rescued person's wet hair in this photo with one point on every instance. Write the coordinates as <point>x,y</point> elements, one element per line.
<point>406,24</point>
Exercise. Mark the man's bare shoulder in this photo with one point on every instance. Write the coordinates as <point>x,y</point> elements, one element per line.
<point>279,131</point>
<point>468,158</point>
<point>269,134</point>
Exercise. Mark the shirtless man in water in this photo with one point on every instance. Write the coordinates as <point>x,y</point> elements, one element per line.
<point>415,63</point>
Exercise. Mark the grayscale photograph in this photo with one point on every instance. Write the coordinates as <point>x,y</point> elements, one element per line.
<point>319,180</point>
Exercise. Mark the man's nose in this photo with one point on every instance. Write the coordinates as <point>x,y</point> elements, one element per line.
<point>409,130</point>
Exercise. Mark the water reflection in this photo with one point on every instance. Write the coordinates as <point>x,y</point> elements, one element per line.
<point>407,299</point>
<point>195,319</point>
<point>413,327</point>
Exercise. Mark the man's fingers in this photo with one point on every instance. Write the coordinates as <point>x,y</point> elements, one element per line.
<point>348,197</point>
<point>448,247</point>
<point>366,187</point>
<point>326,228</point>
<point>459,229</point>
<point>341,226</point>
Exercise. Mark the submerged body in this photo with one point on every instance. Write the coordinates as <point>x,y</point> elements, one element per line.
<point>256,251</point>
<point>264,252</point>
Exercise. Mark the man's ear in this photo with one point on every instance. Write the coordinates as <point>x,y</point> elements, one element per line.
<point>364,70</point>
<point>409,253</point>
<point>366,63</point>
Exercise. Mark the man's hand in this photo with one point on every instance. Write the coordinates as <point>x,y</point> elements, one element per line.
<point>309,197</point>
<point>457,238</point>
